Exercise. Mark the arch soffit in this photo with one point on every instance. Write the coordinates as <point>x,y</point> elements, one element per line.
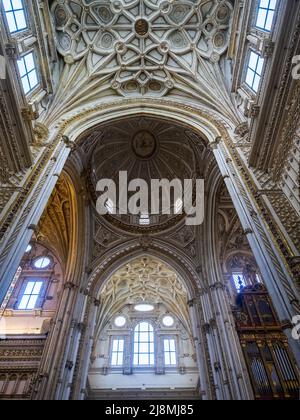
<point>107,265</point>
<point>209,126</point>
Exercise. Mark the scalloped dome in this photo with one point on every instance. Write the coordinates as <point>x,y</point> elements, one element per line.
<point>146,148</point>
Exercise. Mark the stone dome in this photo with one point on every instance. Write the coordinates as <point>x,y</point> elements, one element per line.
<point>147,148</point>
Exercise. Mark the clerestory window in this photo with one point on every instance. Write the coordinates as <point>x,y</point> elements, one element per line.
<point>15,15</point>
<point>28,72</point>
<point>254,71</point>
<point>265,14</point>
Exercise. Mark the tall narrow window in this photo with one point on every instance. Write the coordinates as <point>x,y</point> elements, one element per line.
<point>15,15</point>
<point>254,71</point>
<point>265,14</point>
<point>117,355</point>
<point>143,345</point>
<point>170,352</point>
<point>30,295</point>
<point>239,281</point>
<point>28,72</point>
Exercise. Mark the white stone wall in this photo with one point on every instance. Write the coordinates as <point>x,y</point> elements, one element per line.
<point>185,375</point>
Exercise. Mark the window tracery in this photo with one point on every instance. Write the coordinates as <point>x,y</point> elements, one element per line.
<point>154,342</point>
<point>143,346</point>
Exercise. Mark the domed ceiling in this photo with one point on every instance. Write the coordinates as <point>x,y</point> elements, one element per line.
<point>147,148</point>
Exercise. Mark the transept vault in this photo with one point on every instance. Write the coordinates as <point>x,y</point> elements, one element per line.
<point>144,306</point>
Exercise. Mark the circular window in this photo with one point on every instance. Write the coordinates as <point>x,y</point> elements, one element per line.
<point>120,321</point>
<point>29,248</point>
<point>42,262</point>
<point>168,321</point>
<point>144,308</point>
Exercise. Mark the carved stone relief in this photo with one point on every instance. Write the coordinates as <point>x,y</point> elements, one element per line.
<point>55,224</point>
<point>141,44</point>
<point>19,362</point>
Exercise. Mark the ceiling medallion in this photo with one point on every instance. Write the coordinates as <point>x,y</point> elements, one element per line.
<point>141,27</point>
<point>144,144</point>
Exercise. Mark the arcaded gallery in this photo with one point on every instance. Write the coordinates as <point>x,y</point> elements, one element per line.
<point>149,200</point>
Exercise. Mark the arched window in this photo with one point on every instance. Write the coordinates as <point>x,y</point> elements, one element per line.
<point>143,345</point>
<point>32,287</point>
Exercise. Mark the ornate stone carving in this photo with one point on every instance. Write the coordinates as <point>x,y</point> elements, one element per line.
<point>144,279</point>
<point>105,237</point>
<point>184,236</point>
<point>41,133</point>
<point>288,217</point>
<point>55,224</point>
<point>141,44</point>
<point>20,356</point>
<point>144,144</point>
